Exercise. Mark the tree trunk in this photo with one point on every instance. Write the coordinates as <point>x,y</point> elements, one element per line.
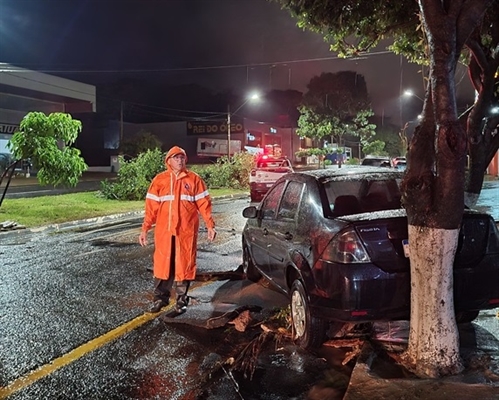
<point>480,124</point>
<point>483,143</point>
<point>476,170</point>
<point>433,190</point>
<point>433,348</point>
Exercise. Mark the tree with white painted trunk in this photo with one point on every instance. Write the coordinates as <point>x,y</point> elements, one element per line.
<point>434,184</point>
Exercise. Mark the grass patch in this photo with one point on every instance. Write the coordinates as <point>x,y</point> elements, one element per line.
<point>47,210</point>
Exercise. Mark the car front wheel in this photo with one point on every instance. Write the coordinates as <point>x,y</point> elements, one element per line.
<point>308,331</point>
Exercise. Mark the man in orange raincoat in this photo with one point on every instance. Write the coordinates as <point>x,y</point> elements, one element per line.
<point>174,201</point>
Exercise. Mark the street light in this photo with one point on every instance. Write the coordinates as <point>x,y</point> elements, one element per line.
<point>254,96</point>
<point>410,93</point>
<point>407,93</point>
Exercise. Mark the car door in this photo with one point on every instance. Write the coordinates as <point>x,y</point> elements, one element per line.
<point>283,235</point>
<point>259,233</point>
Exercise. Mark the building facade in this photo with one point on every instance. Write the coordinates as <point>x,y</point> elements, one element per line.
<point>205,141</point>
<point>23,91</point>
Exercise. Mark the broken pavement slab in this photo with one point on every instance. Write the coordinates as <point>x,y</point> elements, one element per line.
<point>217,303</point>
<point>377,377</point>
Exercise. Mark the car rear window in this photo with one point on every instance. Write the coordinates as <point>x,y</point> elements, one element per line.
<point>273,164</point>
<point>362,195</point>
<point>376,161</point>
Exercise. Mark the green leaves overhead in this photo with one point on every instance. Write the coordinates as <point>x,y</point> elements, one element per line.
<point>354,27</point>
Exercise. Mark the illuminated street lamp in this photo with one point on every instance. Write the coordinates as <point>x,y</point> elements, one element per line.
<point>254,96</point>
<point>410,93</point>
<point>407,93</point>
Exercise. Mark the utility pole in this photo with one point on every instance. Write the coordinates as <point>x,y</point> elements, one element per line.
<point>121,125</point>
<point>228,132</point>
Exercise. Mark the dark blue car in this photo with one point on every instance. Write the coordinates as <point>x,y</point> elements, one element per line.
<point>334,242</point>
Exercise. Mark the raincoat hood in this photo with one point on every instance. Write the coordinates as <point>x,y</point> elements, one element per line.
<point>173,152</point>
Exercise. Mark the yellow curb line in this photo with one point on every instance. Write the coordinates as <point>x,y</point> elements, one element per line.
<point>75,354</point>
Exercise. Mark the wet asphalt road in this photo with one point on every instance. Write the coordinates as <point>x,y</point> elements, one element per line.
<point>63,290</point>
<point>74,321</point>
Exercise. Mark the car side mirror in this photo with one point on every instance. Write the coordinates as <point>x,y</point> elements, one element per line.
<point>250,212</point>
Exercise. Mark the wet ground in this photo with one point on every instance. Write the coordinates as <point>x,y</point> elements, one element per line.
<point>61,290</point>
<point>74,323</point>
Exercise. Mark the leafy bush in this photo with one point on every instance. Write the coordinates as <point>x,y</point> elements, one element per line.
<point>134,176</point>
<point>228,174</point>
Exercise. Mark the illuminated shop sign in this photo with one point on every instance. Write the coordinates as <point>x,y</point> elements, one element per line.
<point>213,127</point>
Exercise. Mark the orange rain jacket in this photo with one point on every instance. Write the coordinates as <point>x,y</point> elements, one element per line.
<point>173,203</point>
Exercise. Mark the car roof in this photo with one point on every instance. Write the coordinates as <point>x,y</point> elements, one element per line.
<point>326,174</point>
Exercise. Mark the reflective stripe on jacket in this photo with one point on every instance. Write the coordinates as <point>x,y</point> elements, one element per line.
<point>173,203</point>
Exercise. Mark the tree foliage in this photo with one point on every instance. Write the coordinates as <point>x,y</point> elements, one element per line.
<point>47,140</point>
<point>353,28</point>
<point>342,94</point>
<point>139,143</point>
<point>376,147</point>
<point>336,104</point>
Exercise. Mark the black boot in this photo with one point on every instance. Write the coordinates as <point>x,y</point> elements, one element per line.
<point>157,306</point>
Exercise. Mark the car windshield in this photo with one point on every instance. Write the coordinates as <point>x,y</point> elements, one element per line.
<point>355,196</point>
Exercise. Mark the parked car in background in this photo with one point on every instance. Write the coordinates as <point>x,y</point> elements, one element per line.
<point>400,163</point>
<point>397,160</point>
<point>267,171</point>
<point>334,241</point>
<point>377,161</point>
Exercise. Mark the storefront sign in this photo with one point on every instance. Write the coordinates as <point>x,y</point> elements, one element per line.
<point>213,127</point>
<point>8,128</point>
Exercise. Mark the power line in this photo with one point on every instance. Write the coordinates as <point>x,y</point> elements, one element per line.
<point>229,66</point>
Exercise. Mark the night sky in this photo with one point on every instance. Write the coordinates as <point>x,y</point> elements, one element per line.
<point>220,44</point>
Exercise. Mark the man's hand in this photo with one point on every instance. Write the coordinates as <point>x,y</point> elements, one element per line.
<point>143,238</point>
<point>212,233</point>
